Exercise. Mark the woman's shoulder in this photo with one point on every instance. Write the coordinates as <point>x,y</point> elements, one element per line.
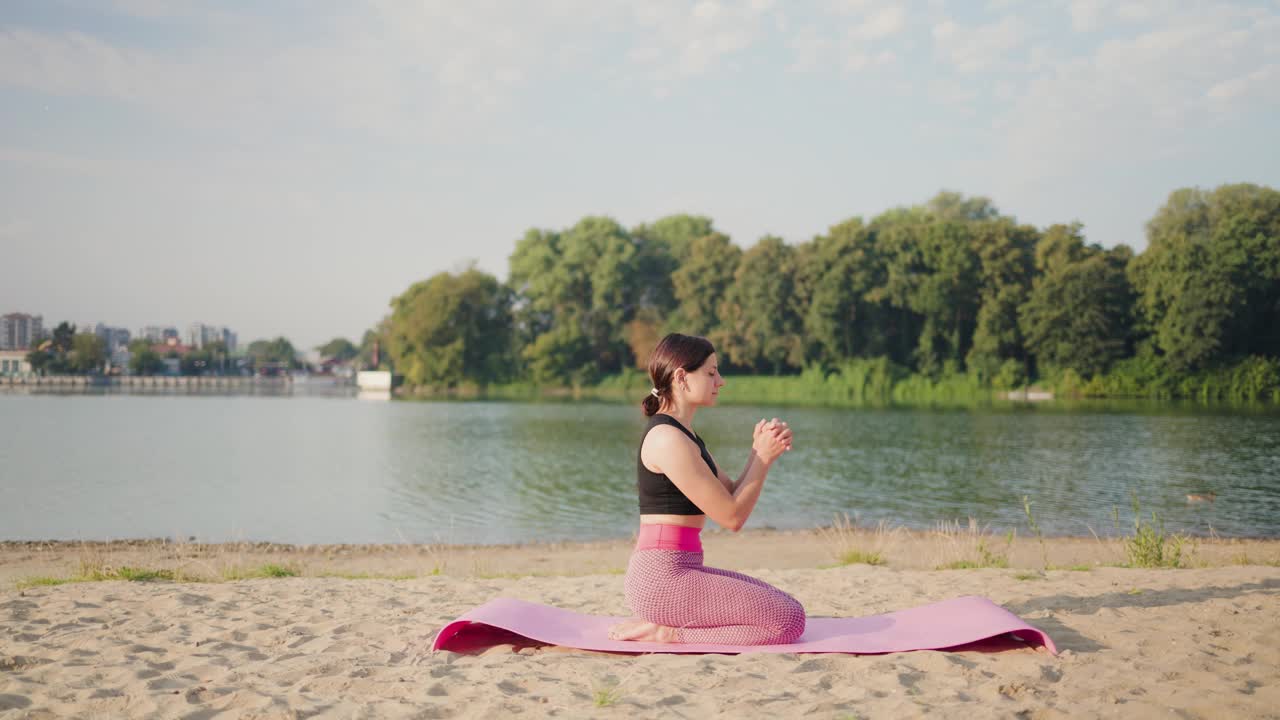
<point>661,443</point>
<point>664,434</point>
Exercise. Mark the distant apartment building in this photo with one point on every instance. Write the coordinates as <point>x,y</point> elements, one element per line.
<point>199,335</point>
<point>158,334</point>
<point>19,331</point>
<point>112,337</point>
<point>14,362</point>
<point>121,356</point>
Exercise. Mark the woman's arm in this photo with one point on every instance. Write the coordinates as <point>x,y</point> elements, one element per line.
<point>669,451</point>
<point>730,485</point>
<point>769,442</point>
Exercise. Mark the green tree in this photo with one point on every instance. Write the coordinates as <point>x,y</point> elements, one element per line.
<point>759,328</point>
<point>955,207</point>
<point>53,355</point>
<point>340,349</point>
<point>701,283</point>
<point>662,249</point>
<point>1209,281</point>
<point>537,284</point>
<point>452,328</point>
<point>278,350</point>
<point>579,291</point>
<point>88,353</point>
<point>142,359</point>
<point>835,273</point>
<point>40,360</point>
<point>1079,312</point>
<point>1006,254</point>
<point>196,362</point>
<point>676,235</point>
<point>932,277</point>
<point>375,339</point>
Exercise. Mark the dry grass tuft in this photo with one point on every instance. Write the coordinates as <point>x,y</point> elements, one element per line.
<point>970,546</point>
<point>851,546</point>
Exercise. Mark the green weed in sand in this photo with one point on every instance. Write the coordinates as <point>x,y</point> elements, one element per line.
<point>270,570</point>
<point>141,574</point>
<point>1149,546</point>
<point>606,692</point>
<point>1035,528</point>
<point>845,543</point>
<point>861,557</point>
<point>40,582</point>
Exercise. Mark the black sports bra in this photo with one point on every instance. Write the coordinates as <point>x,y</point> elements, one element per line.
<point>658,495</point>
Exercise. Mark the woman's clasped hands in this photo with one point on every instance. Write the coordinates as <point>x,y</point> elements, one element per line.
<point>770,439</point>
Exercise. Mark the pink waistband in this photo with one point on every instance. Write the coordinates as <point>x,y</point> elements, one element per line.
<point>656,536</point>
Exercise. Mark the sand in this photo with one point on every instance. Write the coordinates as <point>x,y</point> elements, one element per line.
<point>1199,642</point>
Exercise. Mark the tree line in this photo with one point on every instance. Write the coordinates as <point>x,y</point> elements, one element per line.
<point>948,287</point>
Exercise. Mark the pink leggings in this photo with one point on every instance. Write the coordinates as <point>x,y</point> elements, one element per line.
<point>667,584</point>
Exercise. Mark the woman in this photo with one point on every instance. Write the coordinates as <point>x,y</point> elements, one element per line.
<point>674,596</point>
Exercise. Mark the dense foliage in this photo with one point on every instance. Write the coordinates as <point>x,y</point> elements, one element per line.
<point>65,351</point>
<point>947,294</point>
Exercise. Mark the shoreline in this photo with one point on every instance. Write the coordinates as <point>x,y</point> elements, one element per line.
<point>954,547</point>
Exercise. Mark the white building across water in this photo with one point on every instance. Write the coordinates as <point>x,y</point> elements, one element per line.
<point>14,362</point>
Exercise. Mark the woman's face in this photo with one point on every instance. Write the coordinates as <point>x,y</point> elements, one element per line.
<point>705,382</point>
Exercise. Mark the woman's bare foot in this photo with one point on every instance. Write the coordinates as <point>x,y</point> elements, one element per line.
<point>642,631</point>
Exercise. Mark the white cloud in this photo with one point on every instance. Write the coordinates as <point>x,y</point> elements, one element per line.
<point>1263,83</point>
<point>810,47</point>
<point>1085,14</point>
<point>861,61</point>
<point>706,11</point>
<point>695,40</point>
<point>881,23</point>
<point>975,49</point>
<point>850,35</point>
<point>383,66</point>
<point>1091,15</point>
<point>1137,96</point>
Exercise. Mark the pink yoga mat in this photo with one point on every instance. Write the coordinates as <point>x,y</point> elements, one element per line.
<point>945,624</point>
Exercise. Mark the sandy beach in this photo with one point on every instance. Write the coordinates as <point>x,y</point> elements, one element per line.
<point>1197,642</point>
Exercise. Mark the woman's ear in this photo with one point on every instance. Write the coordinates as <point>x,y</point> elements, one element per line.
<point>682,378</point>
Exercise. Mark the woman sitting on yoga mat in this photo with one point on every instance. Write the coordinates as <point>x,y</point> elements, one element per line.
<point>674,596</point>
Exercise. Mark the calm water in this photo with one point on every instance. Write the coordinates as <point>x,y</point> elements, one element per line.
<point>327,470</point>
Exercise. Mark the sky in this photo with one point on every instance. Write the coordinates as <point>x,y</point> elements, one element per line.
<point>287,167</point>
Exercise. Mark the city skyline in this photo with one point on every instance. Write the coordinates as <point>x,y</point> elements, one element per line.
<point>290,171</point>
<point>196,335</point>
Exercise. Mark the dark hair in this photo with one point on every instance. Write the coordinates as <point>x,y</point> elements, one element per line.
<point>674,351</point>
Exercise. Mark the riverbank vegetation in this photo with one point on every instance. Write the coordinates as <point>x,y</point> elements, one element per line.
<point>946,301</point>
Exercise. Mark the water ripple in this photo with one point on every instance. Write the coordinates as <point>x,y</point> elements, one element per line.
<point>340,470</point>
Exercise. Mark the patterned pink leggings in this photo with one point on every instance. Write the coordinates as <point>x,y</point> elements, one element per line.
<point>709,605</point>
